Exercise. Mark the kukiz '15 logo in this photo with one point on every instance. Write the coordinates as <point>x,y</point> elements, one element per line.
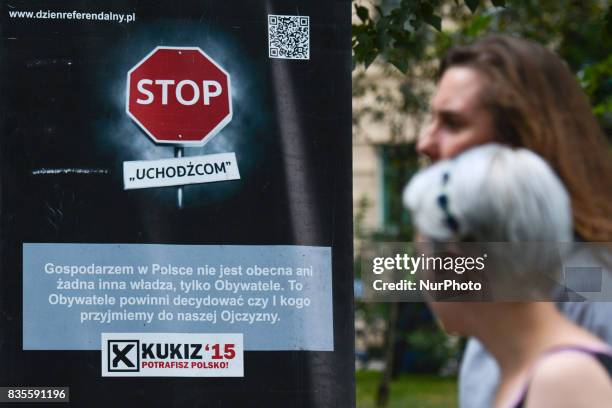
<point>172,354</point>
<point>124,355</point>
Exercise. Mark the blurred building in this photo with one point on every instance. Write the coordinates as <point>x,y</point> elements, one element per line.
<point>383,149</point>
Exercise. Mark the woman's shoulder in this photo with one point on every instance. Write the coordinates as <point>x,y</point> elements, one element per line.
<point>572,377</point>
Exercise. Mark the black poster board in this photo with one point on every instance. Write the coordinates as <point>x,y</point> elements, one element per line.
<point>73,223</point>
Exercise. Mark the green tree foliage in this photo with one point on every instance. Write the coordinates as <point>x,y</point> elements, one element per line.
<point>411,35</point>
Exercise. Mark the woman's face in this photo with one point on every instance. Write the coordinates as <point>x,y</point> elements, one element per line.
<point>451,316</point>
<point>459,120</point>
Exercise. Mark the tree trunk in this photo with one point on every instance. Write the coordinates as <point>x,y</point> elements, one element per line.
<point>382,397</point>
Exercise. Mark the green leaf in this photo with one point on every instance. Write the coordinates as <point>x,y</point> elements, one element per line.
<point>603,107</point>
<point>382,24</point>
<point>426,13</point>
<point>478,25</point>
<point>472,5</point>
<point>404,40</point>
<point>399,58</point>
<point>382,40</point>
<point>369,58</point>
<point>426,9</point>
<point>362,12</point>
<point>434,21</point>
<point>499,3</point>
<point>399,63</point>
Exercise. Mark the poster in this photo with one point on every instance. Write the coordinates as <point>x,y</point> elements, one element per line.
<point>175,184</point>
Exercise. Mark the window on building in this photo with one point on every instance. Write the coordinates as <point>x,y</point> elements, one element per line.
<point>398,163</point>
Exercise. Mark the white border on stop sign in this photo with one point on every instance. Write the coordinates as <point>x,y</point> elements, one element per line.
<point>210,134</point>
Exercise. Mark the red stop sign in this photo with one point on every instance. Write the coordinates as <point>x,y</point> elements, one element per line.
<point>179,95</point>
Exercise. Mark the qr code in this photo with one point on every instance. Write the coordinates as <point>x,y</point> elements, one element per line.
<point>289,37</point>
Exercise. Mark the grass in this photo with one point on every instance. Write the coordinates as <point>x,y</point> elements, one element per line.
<point>408,391</point>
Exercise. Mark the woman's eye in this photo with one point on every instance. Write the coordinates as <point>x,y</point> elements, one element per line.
<point>453,124</point>
<point>452,121</point>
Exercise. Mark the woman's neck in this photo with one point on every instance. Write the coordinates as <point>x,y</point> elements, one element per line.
<point>526,330</point>
<point>517,334</point>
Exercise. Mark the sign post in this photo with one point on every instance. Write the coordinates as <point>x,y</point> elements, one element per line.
<point>178,152</point>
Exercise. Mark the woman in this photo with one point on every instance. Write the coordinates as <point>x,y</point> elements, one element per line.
<point>516,92</point>
<point>491,194</point>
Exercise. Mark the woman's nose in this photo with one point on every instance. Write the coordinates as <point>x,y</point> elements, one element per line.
<point>427,144</point>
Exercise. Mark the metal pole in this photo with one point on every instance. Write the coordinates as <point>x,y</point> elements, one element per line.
<point>178,152</point>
